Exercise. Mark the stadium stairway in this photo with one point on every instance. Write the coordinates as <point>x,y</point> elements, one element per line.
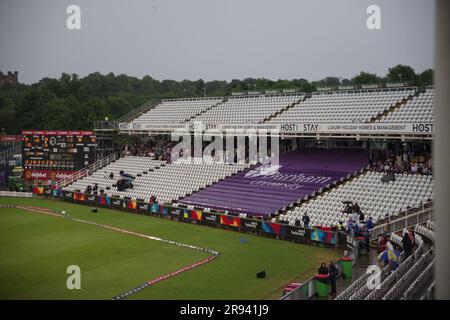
<point>393,108</point>
<point>284,109</point>
<point>204,110</point>
<point>133,114</point>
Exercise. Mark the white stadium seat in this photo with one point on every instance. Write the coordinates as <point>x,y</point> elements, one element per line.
<point>375,198</point>
<point>250,110</point>
<point>168,182</point>
<point>342,107</point>
<point>176,111</point>
<point>419,109</point>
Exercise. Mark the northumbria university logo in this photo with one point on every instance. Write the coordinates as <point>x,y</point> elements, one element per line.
<point>264,170</point>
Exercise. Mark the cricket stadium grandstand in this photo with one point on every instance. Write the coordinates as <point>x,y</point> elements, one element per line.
<point>348,170</point>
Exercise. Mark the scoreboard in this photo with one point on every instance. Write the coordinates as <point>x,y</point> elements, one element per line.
<point>56,154</point>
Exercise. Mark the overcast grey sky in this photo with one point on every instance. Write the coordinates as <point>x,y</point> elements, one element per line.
<point>214,39</point>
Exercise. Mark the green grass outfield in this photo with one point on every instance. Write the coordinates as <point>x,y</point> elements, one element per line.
<point>36,249</point>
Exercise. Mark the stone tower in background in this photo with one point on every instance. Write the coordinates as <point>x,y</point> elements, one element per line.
<point>11,78</point>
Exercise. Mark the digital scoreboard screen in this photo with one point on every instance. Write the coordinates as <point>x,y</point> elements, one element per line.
<point>55,154</point>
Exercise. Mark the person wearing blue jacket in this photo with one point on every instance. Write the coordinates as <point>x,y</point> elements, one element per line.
<point>369,224</point>
<point>350,225</point>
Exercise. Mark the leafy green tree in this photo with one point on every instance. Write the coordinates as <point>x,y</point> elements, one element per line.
<point>199,88</point>
<point>401,73</point>
<point>283,84</point>
<point>328,82</point>
<point>425,78</point>
<point>365,78</point>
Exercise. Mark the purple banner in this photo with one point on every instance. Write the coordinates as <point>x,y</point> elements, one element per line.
<point>265,189</point>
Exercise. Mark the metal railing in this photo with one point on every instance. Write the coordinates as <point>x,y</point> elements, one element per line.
<point>88,170</point>
<point>406,219</point>
<point>106,125</point>
<point>113,125</point>
<point>138,111</point>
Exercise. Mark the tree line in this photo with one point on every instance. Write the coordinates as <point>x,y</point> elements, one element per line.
<point>71,102</point>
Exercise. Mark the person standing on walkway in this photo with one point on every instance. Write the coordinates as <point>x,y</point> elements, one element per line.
<point>407,245</point>
<point>333,272</point>
<point>323,268</point>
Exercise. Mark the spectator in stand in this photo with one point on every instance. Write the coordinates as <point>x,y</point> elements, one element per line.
<point>414,168</point>
<point>398,161</point>
<point>366,235</point>
<point>380,166</point>
<point>407,245</point>
<point>88,189</point>
<point>412,237</point>
<point>306,220</point>
<point>95,189</point>
<point>127,150</point>
<point>430,165</point>
<point>355,216</point>
<point>394,264</point>
<point>333,271</point>
<point>126,176</point>
<point>350,225</point>
<point>404,162</point>
<point>356,230</point>
<point>405,157</point>
<point>369,224</point>
<point>361,216</point>
<point>382,243</point>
